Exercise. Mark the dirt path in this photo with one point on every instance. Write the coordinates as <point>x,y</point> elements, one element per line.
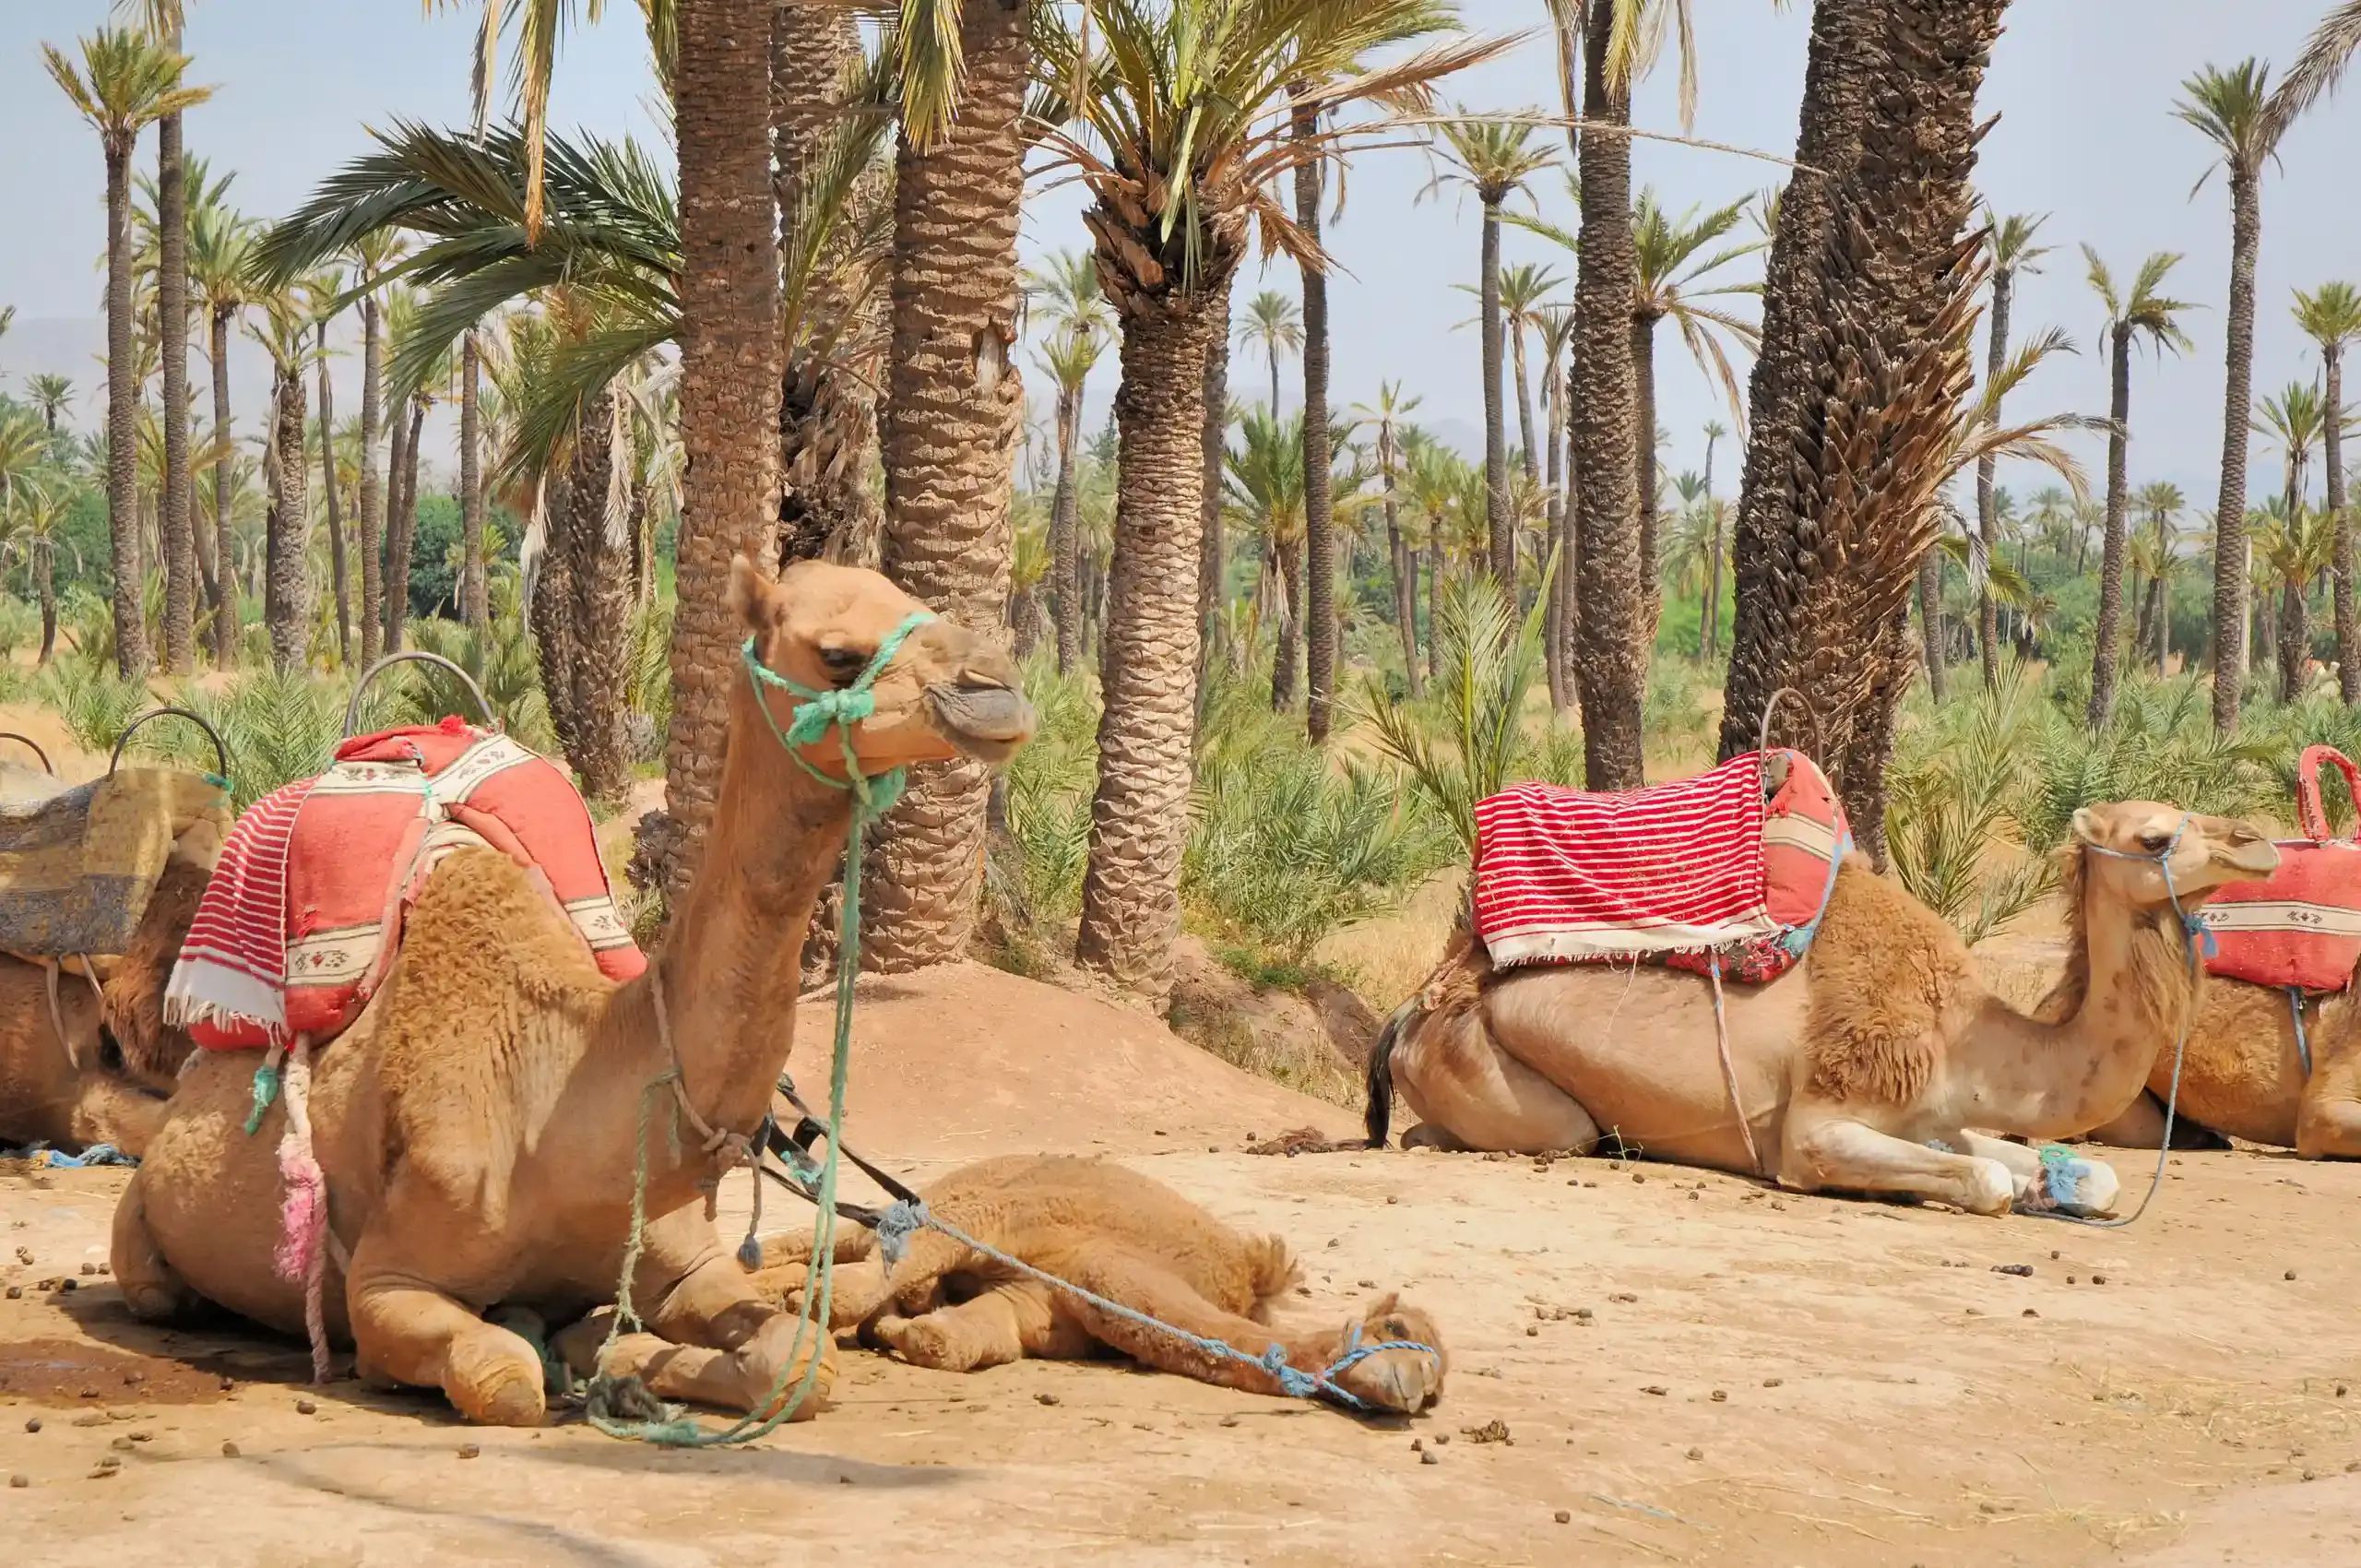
<point>1759,1381</point>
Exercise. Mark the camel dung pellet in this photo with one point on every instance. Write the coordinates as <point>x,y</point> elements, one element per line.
<point>20,1480</point>
<point>1045,1398</point>
<point>15,1293</point>
<point>1368,1284</point>
<point>2291,1274</point>
<point>1694,1197</point>
<point>1392,1199</point>
<point>1696,1454</point>
<point>1772,1381</point>
<point>1721,1396</point>
<point>2340,1391</point>
<point>2030,1312</point>
<point>90,1270</point>
<point>2071,1280</point>
<point>1590,1183</point>
<point>470,1450</point>
<point>1442,1438</point>
<point>2022,1270</point>
<point>1213,1148</point>
<point>305,1407</point>
<point>1657,1389</point>
<point>1229,1421</point>
<point>34,1423</point>
<point>122,1442</point>
<point>229,1449</point>
<point>67,1286</point>
<point>1417,1445</point>
<point>1583,1314</point>
<point>2098,1279</point>
<point>1429,1457</point>
<point>1531,1332</point>
<point>1636,1177</point>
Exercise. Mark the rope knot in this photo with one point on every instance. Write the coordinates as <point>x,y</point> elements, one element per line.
<point>896,1225</point>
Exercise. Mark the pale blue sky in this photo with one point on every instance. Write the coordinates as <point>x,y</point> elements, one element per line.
<point>2083,88</point>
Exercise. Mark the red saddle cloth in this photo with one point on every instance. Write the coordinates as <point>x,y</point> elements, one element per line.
<point>303,916</point>
<point>2301,925</point>
<point>1731,867</point>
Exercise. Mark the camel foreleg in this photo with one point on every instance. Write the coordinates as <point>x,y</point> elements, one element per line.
<point>1005,1324</point>
<point>1835,1151</point>
<point>2076,1186</point>
<point>151,1288</point>
<point>407,1331</point>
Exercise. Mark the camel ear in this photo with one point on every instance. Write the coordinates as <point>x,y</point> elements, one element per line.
<point>750,596</point>
<point>2086,825</point>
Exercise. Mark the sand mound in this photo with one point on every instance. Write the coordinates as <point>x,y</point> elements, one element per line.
<point>965,1061</point>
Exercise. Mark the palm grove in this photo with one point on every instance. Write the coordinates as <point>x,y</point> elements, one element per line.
<point>803,337</point>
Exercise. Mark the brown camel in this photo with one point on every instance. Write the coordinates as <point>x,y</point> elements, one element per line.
<point>1118,1234</point>
<point>105,1081</point>
<point>477,1123</point>
<point>1863,1067</point>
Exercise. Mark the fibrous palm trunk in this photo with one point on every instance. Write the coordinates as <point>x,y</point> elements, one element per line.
<point>1863,279</point>
<point>1212,570</point>
<point>1930,619</point>
<point>1644,406</point>
<point>1566,591</point>
<point>550,610</point>
<point>1499,524</point>
<point>337,567</point>
<point>1139,813</point>
<point>1988,500</point>
<point>1434,603</point>
<point>474,607</point>
<point>2230,510</point>
<point>1065,525</point>
<point>372,494</point>
<point>178,512</point>
<point>2348,633</point>
<point>2108,635</point>
<point>1318,504</point>
<point>1404,562</point>
<point>225,576</point>
<point>2294,640</point>
<point>1552,633</point>
<point>287,597</point>
<point>401,526</point>
<point>1288,556</point>
<point>122,429</point>
<point>45,562</point>
<point>954,406</point>
<point>1610,664</point>
<point>596,544</point>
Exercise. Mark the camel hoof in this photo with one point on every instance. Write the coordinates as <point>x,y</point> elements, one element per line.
<point>499,1384</point>
<point>1992,1190</point>
<point>921,1342</point>
<point>2084,1188</point>
<point>152,1303</point>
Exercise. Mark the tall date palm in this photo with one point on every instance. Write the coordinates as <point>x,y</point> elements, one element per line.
<point>2330,317</point>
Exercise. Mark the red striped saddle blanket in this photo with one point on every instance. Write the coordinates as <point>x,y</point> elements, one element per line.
<point>303,916</point>
<point>2300,926</point>
<point>1730,868</point>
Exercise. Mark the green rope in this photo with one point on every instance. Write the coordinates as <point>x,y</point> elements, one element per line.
<point>606,1400</point>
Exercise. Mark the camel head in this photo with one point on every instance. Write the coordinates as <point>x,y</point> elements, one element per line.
<point>945,693</point>
<point>1404,1381</point>
<point>134,1043</point>
<point>2140,838</point>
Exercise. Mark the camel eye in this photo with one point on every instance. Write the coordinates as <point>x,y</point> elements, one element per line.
<point>2155,843</point>
<point>843,664</point>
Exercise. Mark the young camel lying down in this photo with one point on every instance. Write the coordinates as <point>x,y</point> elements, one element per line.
<point>1121,1235</point>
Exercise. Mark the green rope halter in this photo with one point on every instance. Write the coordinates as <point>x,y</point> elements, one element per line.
<point>838,709</point>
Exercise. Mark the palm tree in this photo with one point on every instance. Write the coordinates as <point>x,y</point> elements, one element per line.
<point>2233,109</point>
<point>2146,311</point>
<point>2293,546</point>
<point>475,610</point>
<point>1318,450</point>
<point>1434,478</point>
<point>2294,419</point>
<point>1178,144</point>
<point>1078,323</point>
<point>125,83</point>
<point>50,393</point>
<point>1272,325</point>
<point>1494,159</point>
<point>1857,268</point>
<point>2330,317</point>
<point>2161,503</point>
<point>325,300</point>
<point>1557,335</point>
<point>2009,241</point>
<point>287,589</point>
<point>1386,413</point>
<point>35,516</point>
<point>1523,288</point>
<point>1262,485</point>
<point>373,254</point>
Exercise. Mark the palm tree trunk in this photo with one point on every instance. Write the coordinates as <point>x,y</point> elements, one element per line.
<point>1713,583</point>
<point>337,567</point>
<point>1213,572</point>
<point>1647,476</point>
<point>1499,524</point>
<point>550,610</point>
<point>401,522</point>
<point>46,585</point>
<point>1565,590</point>
<point>122,428</point>
<point>178,520</point>
<point>1930,619</point>
<point>953,407</point>
<point>1610,665</point>
<point>2294,640</point>
<point>2112,553</point>
<point>598,584</point>
<point>1859,258</point>
<point>2348,630</point>
<point>225,574</point>
<point>474,605</point>
<point>1529,449</point>
<point>1434,603</point>
<point>372,496</point>
<point>2143,593</point>
<point>1289,561</point>
<point>1065,527</point>
<point>1987,507</point>
<point>1139,813</point>
<point>1319,503</point>
<point>2237,399</point>
<point>1553,642</point>
<point>287,591</point>
<point>1404,562</point>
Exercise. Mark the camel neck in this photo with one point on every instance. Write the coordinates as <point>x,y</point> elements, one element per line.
<point>2125,997</point>
<point>733,961</point>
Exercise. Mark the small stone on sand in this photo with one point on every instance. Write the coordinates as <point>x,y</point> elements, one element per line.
<point>470,1450</point>
<point>229,1449</point>
<point>305,1407</point>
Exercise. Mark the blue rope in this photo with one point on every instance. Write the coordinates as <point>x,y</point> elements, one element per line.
<point>2296,1011</point>
<point>898,1224</point>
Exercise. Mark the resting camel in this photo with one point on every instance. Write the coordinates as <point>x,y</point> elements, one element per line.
<point>476,1123</point>
<point>1118,1234</point>
<point>107,1079</point>
<point>1860,1069</point>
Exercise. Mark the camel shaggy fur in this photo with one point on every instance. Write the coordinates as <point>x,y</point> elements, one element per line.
<point>1862,1069</point>
<point>478,1123</point>
<point>107,1079</point>
<point>1121,1235</point>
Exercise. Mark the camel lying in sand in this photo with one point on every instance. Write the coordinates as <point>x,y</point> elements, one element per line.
<point>107,1079</point>
<point>1117,1234</point>
<point>476,1123</point>
<point>1860,1069</point>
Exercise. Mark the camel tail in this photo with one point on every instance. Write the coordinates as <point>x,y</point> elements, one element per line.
<point>1378,1116</point>
<point>1274,1273</point>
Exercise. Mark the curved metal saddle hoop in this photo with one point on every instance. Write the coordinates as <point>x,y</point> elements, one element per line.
<point>415,656</point>
<point>1818,735</point>
<point>221,752</point>
<point>31,746</point>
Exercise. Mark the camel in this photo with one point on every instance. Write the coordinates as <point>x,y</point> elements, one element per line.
<point>105,1080</point>
<point>1123,1236</point>
<point>1861,1069</point>
<point>476,1123</point>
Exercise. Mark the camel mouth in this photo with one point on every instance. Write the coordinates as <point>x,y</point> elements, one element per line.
<point>987,722</point>
<point>2256,856</point>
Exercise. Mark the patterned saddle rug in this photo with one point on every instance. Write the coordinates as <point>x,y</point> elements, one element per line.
<point>2299,927</point>
<point>78,865</point>
<point>303,916</point>
<point>1726,870</point>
